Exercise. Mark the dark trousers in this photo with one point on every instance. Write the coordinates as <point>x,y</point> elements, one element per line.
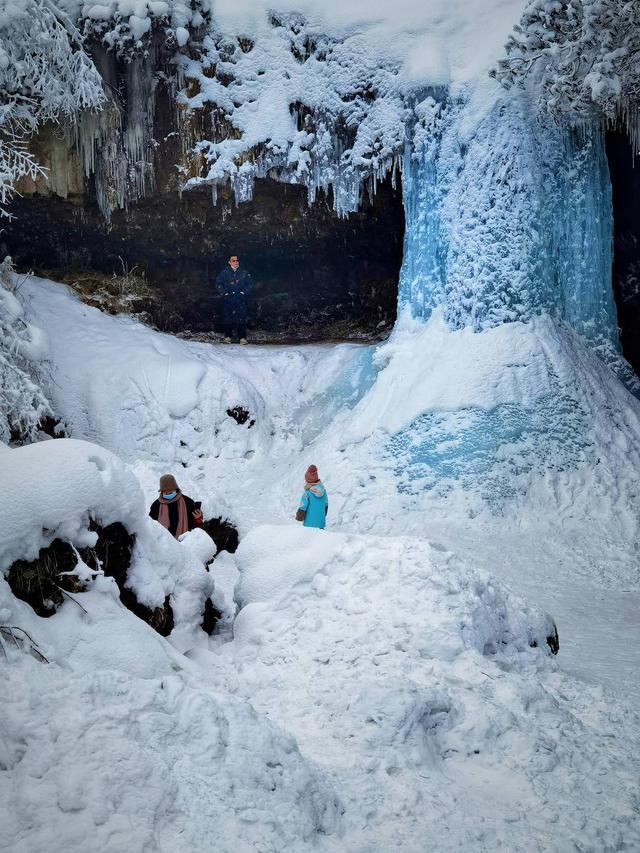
<point>235,327</point>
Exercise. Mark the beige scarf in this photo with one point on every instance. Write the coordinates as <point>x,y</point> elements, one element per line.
<point>313,488</point>
<point>163,515</point>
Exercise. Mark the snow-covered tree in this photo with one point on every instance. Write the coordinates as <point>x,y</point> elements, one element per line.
<point>23,403</point>
<point>584,56</point>
<point>45,75</point>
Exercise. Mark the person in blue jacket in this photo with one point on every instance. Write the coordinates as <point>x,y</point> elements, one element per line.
<point>234,285</point>
<point>314,503</point>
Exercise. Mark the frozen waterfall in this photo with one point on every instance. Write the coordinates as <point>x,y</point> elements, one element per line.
<point>507,218</point>
<point>507,256</point>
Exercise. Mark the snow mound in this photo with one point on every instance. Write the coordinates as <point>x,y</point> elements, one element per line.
<point>413,681</point>
<point>56,488</point>
<point>116,743</point>
<point>278,563</point>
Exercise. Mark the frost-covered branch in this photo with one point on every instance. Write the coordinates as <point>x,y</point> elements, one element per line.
<point>45,75</point>
<point>23,404</point>
<point>581,55</point>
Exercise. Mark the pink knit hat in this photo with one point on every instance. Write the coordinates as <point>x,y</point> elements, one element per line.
<point>311,475</point>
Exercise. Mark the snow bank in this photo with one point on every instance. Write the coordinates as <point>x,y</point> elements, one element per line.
<point>278,562</point>
<point>55,488</point>
<point>116,743</point>
<point>111,738</point>
<point>431,427</point>
<point>412,680</point>
<point>138,408</point>
<point>405,674</point>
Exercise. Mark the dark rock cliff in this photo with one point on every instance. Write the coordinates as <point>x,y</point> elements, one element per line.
<point>316,276</point>
<point>109,219</point>
<point>625,180</point>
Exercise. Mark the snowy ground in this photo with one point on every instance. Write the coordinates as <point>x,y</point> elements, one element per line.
<point>162,406</point>
<point>381,657</point>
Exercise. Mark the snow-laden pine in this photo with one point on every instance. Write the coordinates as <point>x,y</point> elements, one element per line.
<point>581,57</point>
<point>45,76</point>
<point>23,350</point>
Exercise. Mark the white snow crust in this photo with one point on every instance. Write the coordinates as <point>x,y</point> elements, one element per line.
<point>439,41</point>
<point>117,745</point>
<point>412,680</point>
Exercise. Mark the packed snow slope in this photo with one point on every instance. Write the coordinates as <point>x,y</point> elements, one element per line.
<point>434,425</point>
<point>116,744</point>
<point>380,688</point>
<point>515,447</point>
<point>412,680</point>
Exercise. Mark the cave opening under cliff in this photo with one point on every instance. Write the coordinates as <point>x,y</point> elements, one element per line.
<point>624,170</point>
<point>317,276</point>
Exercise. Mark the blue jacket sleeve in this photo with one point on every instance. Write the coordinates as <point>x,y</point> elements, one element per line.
<point>221,282</point>
<point>304,501</point>
<point>247,283</point>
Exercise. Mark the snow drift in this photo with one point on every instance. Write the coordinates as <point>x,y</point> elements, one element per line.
<point>426,691</point>
<point>56,488</point>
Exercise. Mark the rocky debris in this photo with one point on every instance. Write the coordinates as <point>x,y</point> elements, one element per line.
<point>210,617</point>
<point>112,554</point>
<point>241,416</point>
<point>42,582</point>
<point>225,536</point>
<point>223,533</point>
<point>122,292</point>
<point>45,582</point>
<point>553,641</point>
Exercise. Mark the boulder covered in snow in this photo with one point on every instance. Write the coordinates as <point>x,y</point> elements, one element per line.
<point>68,495</point>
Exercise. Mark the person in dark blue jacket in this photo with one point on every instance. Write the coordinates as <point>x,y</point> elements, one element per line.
<point>234,285</point>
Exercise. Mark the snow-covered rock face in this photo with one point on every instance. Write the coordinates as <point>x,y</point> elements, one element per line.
<point>329,101</point>
<point>326,99</point>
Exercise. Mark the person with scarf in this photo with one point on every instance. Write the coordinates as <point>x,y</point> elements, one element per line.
<point>314,503</point>
<point>175,511</point>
